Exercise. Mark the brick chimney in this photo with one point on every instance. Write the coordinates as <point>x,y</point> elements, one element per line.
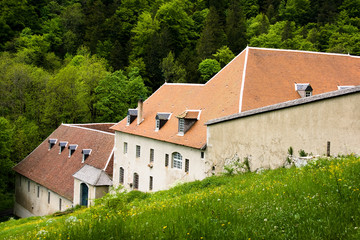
<point>140,111</point>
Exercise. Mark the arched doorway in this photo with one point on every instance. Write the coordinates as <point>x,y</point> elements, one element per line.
<point>84,194</point>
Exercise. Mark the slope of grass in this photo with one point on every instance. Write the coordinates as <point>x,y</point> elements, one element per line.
<point>319,201</point>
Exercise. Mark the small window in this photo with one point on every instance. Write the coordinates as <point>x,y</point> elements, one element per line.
<point>128,119</point>
<point>138,151</point>
<point>181,125</point>
<point>62,146</point>
<point>86,153</point>
<point>151,183</point>
<point>20,180</point>
<point>52,142</point>
<point>186,165</point>
<point>308,94</point>
<point>28,186</point>
<point>125,147</point>
<point>38,191</point>
<point>48,197</point>
<point>136,181</point>
<point>60,203</point>
<point>177,160</point>
<point>72,148</point>
<point>151,155</point>
<point>166,160</point>
<point>157,127</point>
<point>202,154</point>
<point>121,177</point>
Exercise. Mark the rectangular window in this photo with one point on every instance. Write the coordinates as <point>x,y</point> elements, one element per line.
<point>151,155</point>
<point>136,181</point>
<point>151,183</point>
<point>128,119</point>
<point>137,151</point>
<point>181,125</point>
<point>59,204</point>
<point>38,191</point>
<point>121,178</point>
<point>186,165</point>
<point>48,197</point>
<point>125,147</point>
<point>157,127</point>
<point>20,181</point>
<point>28,186</point>
<point>166,160</point>
<point>202,154</point>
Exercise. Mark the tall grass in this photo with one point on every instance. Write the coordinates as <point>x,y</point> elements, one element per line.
<point>319,201</point>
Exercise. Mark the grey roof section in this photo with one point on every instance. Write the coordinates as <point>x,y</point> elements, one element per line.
<point>93,176</point>
<point>303,87</point>
<point>162,116</point>
<point>288,104</point>
<point>132,112</point>
<point>63,144</point>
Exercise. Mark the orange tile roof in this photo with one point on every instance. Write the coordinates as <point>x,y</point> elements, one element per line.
<point>54,171</point>
<point>269,78</point>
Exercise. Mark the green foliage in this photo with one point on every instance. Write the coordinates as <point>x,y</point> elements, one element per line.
<point>224,55</point>
<point>302,153</point>
<point>208,68</point>
<point>172,70</point>
<point>276,204</point>
<point>290,151</point>
<point>6,164</point>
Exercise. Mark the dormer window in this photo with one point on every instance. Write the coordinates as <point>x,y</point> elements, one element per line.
<point>52,143</point>
<point>131,116</point>
<point>72,148</point>
<point>86,153</point>
<point>303,89</point>
<point>62,146</point>
<point>186,120</point>
<point>161,119</point>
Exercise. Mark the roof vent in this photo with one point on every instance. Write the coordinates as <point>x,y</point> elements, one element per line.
<point>86,154</point>
<point>62,145</point>
<point>303,89</point>
<point>161,119</point>
<point>344,87</point>
<point>132,114</point>
<point>187,119</point>
<point>52,142</point>
<point>72,148</point>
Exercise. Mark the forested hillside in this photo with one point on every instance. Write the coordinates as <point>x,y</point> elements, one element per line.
<point>77,61</point>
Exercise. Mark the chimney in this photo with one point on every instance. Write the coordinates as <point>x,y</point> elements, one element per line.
<point>140,111</point>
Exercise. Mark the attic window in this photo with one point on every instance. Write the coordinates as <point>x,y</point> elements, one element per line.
<point>161,119</point>
<point>86,154</point>
<point>131,116</point>
<point>186,120</point>
<point>62,146</point>
<point>52,142</point>
<point>72,148</point>
<point>303,89</point>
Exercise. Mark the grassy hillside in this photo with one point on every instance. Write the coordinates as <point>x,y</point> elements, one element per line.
<point>319,201</point>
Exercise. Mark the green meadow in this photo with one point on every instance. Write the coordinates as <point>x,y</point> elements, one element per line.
<point>319,201</point>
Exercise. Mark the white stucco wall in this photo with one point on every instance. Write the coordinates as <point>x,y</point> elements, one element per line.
<point>265,137</point>
<point>163,177</point>
<point>94,192</point>
<point>29,203</point>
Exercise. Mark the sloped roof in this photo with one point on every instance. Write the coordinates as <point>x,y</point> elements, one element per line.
<point>257,77</point>
<point>93,176</point>
<point>55,171</point>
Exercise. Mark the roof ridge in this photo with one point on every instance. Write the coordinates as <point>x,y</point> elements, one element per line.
<point>304,51</point>
<point>85,128</point>
<point>227,64</point>
<point>243,80</point>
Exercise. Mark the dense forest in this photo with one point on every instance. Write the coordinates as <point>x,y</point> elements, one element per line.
<point>78,61</point>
